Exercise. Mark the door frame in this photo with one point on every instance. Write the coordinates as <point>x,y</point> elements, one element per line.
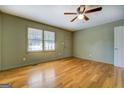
<point>118,46</point>
<point>0,41</point>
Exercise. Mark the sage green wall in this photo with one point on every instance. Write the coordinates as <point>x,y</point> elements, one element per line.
<point>14,43</point>
<point>96,43</point>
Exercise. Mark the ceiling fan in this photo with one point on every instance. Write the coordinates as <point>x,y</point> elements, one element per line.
<point>82,11</point>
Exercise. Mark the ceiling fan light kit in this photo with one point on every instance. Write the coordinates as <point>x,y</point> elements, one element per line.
<point>82,11</point>
<point>80,16</point>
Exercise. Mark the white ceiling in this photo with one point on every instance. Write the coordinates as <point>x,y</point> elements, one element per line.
<point>54,15</point>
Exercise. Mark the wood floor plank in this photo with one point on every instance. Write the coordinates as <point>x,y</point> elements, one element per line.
<point>65,73</point>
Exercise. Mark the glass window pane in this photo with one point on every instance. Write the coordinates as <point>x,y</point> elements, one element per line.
<point>35,39</point>
<point>49,40</point>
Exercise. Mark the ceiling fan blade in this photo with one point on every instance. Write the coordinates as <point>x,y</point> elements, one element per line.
<point>84,9</point>
<point>81,9</point>
<point>94,10</point>
<point>74,18</point>
<point>70,13</point>
<point>86,18</point>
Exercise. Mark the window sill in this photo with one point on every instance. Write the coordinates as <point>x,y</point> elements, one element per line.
<point>49,51</point>
<point>41,51</point>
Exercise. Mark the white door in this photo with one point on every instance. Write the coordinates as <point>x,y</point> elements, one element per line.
<point>119,46</point>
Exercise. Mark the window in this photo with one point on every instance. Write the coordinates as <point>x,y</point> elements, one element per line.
<point>49,40</point>
<point>35,39</point>
<point>36,42</point>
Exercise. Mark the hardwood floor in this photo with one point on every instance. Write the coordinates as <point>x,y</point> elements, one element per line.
<point>65,73</point>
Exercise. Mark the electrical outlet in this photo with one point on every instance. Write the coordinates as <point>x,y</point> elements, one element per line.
<point>60,54</point>
<point>90,55</point>
<point>24,59</point>
<point>63,43</point>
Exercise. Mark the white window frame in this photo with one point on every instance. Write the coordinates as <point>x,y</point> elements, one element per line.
<point>43,44</point>
<point>54,41</point>
<point>28,40</point>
